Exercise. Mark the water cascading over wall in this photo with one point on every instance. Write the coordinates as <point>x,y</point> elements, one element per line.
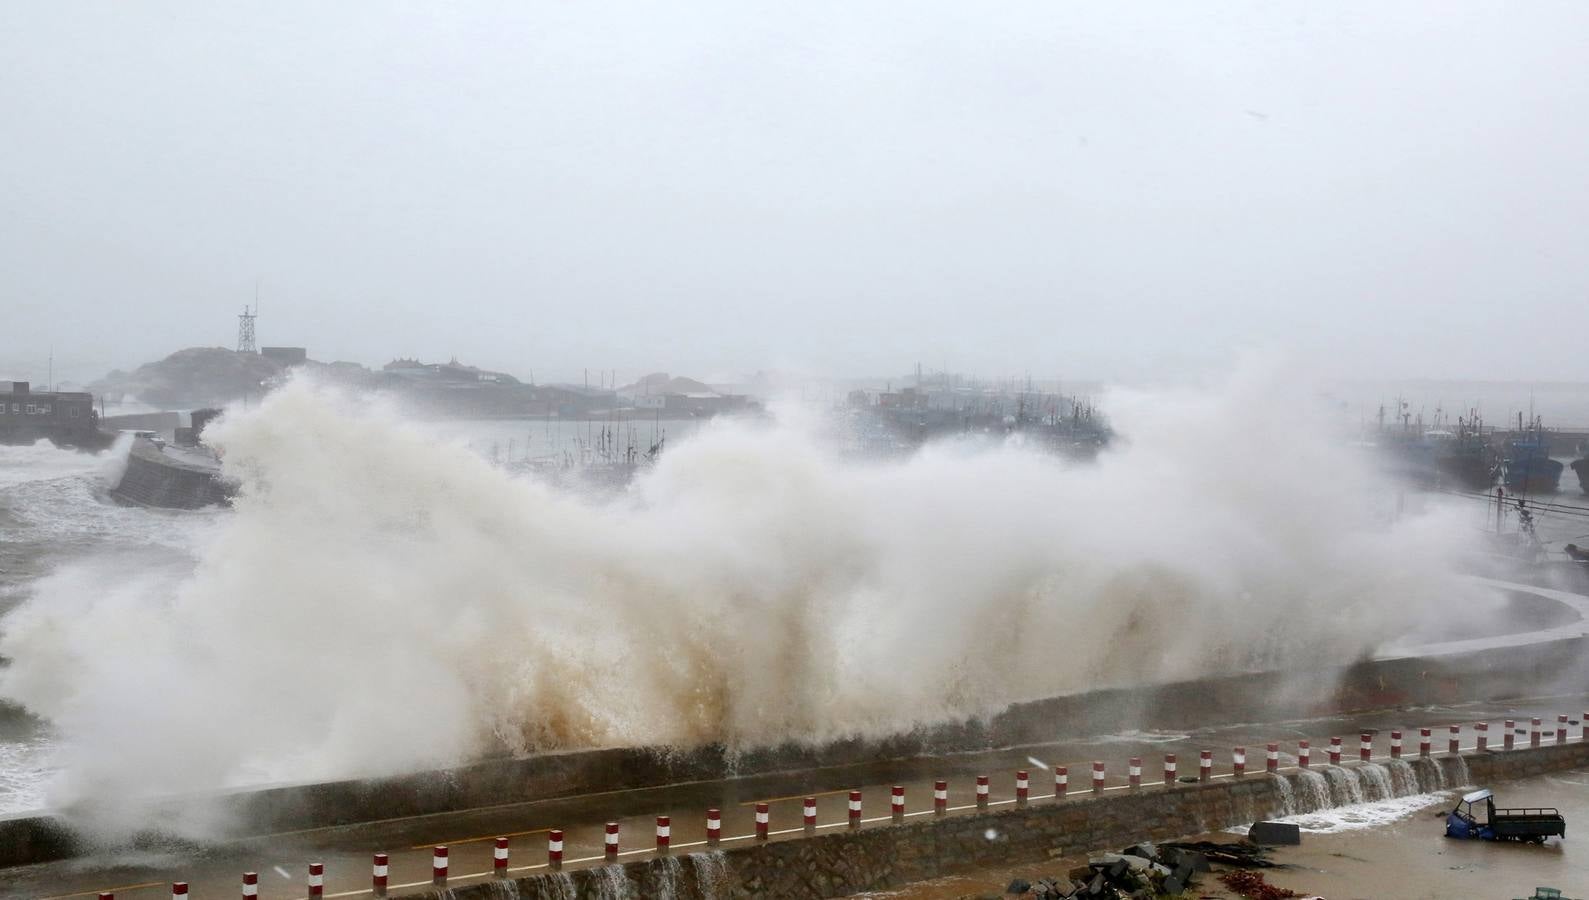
<point>875,859</point>
<point>1327,787</point>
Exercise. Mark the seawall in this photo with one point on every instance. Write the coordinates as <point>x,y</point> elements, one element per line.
<point>164,424</point>
<point>889,856</point>
<point>1494,675</point>
<point>153,478</point>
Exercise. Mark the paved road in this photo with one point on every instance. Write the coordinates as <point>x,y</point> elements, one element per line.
<point>282,859</point>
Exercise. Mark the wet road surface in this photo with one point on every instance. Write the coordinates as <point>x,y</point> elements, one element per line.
<point>281,860</point>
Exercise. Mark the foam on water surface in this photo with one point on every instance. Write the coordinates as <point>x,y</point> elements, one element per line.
<point>1358,816</point>
<point>1142,737</point>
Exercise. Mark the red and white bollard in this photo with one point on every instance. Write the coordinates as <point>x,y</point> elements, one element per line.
<point>1097,777</point>
<point>1061,781</point>
<point>1482,730</point>
<point>1134,771</point>
<point>763,821</point>
<point>106,895</point>
<point>378,870</point>
<point>1424,743</point>
<point>1395,745</point>
<point>714,827</point>
<point>982,792</point>
<point>940,798</point>
<point>250,885</point>
<point>1454,745</point>
<point>1238,761</point>
<point>1304,752</point>
<point>438,866</point>
<point>855,809</point>
<point>896,803</point>
<point>1509,739</point>
<point>1023,788</point>
<point>554,849</point>
<point>1561,728</point>
<point>1205,765</point>
<point>664,834</point>
<point>610,842</point>
<point>1584,736</point>
<point>179,890</point>
<point>808,814</point>
<point>1365,747</point>
<point>1169,770</point>
<point>1271,762</point>
<point>499,858</point>
<point>317,879</point>
<point>1533,732</point>
<point>1335,751</point>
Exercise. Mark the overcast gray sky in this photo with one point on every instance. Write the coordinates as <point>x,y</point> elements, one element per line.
<point>1117,190</point>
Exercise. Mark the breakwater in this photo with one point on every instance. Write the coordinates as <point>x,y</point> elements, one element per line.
<point>886,857</point>
<point>1267,696</point>
<point>155,478</point>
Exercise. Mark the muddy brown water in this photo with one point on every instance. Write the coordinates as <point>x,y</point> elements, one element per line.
<point>1409,859</point>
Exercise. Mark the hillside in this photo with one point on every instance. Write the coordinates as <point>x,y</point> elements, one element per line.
<point>662,383</point>
<point>197,376</point>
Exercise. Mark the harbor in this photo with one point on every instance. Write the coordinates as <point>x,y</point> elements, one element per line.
<point>570,452</point>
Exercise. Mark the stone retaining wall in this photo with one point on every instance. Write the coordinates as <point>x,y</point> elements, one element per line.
<point>1258,696</point>
<point>889,856</point>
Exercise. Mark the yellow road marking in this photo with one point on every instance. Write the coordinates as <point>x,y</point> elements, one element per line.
<point>797,797</point>
<point>475,840</point>
<point>125,887</point>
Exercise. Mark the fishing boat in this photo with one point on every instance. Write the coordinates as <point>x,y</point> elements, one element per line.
<point>1528,468</point>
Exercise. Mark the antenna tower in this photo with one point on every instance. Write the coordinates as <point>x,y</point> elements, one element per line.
<point>245,331</point>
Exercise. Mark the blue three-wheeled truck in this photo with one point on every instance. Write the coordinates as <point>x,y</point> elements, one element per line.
<point>1491,824</point>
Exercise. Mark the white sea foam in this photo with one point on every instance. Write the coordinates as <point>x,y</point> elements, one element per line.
<point>1358,816</point>
<point>43,461</point>
<point>380,601</point>
<point>1141,737</point>
<point>24,769</point>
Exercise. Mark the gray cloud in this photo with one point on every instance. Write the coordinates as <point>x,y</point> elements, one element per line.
<point>1106,190</point>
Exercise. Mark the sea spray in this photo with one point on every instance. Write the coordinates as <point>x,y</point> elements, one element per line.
<point>611,883</point>
<point>42,462</point>
<point>712,877</point>
<point>1431,774</point>
<point>1344,798</point>
<point>667,876</point>
<point>753,587</point>
<point>559,886</point>
<point>1288,796</point>
<point>1313,791</point>
<point>1345,788</point>
<point>1377,783</point>
<point>1404,779</point>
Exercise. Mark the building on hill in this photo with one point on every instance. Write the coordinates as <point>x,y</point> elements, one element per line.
<point>453,372</point>
<point>287,356</point>
<point>696,404</point>
<point>62,417</point>
<point>573,399</point>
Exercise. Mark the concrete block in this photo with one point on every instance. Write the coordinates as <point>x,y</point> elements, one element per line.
<point>1274,833</point>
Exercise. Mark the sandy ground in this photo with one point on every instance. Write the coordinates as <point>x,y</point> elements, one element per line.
<point>1407,859</point>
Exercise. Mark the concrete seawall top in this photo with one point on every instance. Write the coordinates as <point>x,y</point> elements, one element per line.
<point>1497,673</point>
<point>887,856</point>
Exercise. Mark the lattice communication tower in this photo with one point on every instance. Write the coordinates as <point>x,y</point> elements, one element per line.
<point>245,332</point>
